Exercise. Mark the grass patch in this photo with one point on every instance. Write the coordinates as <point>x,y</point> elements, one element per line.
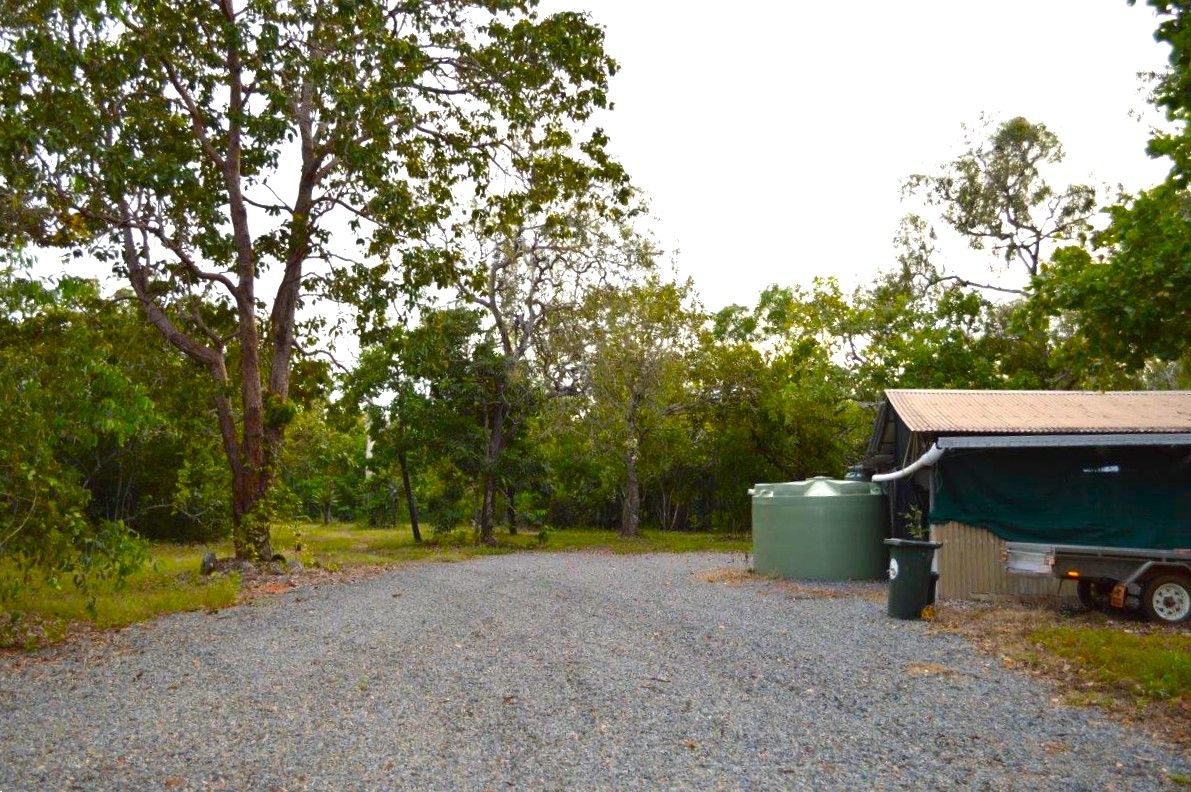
<point>1137,671</point>
<point>344,545</point>
<point>1149,666</point>
<point>171,582</point>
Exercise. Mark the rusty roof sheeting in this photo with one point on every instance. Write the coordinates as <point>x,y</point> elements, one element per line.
<point>1042,412</point>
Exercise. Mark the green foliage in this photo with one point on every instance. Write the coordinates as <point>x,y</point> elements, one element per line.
<point>64,400</point>
<point>199,497</point>
<point>143,133</point>
<point>1127,304</point>
<point>786,406</point>
<point>995,195</point>
<point>448,497</point>
<point>1174,89</point>
<point>322,464</point>
<point>915,328</point>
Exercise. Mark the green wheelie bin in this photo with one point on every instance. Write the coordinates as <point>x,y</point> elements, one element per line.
<point>911,582</point>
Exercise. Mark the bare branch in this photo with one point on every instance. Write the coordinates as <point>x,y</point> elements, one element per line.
<point>972,284</point>
<point>196,118</point>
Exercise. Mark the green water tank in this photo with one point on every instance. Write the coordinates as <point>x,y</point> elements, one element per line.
<point>821,529</point>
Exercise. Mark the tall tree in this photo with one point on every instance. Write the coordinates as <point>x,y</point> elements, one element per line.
<point>914,327</point>
<point>162,137</point>
<point>996,196</point>
<point>1128,301</point>
<point>958,330</point>
<point>426,391</point>
<point>544,268</point>
<point>636,348</point>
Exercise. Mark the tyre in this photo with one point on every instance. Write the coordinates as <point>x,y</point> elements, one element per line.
<point>1167,599</point>
<point>1093,594</point>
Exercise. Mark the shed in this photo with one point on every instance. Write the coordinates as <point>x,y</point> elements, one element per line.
<point>1051,467</point>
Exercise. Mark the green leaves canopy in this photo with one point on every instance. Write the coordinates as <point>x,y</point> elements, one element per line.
<point>64,398</point>
<point>199,145</point>
<point>1129,302</point>
<point>1132,304</point>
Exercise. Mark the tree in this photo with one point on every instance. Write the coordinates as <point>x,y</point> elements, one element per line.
<point>995,196</point>
<point>424,390</point>
<point>1128,300</point>
<point>543,268</point>
<point>793,410</point>
<point>168,480</point>
<point>322,463</point>
<point>915,328</point>
<point>926,327</point>
<point>637,344</point>
<point>160,138</point>
<point>1129,303</point>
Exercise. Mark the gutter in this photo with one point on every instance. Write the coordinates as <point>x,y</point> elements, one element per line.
<point>929,458</point>
<point>1083,440</point>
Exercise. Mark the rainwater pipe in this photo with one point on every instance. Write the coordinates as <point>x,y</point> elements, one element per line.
<point>926,460</point>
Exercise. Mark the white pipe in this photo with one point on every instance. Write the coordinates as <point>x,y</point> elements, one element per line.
<point>929,458</point>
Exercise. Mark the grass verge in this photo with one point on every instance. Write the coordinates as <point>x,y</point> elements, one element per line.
<point>347,545</point>
<point>43,614</point>
<point>169,583</point>
<point>1136,671</point>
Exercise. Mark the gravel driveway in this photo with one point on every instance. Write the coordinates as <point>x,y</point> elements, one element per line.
<point>545,671</point>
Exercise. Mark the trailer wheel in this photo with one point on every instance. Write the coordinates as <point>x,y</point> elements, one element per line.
<point>1167,599</point>
<point>1093,594</point>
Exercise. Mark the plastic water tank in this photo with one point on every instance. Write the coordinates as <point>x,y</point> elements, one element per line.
<point>821,529</point>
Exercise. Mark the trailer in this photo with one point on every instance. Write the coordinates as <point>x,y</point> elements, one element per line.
<point>1158,582</point>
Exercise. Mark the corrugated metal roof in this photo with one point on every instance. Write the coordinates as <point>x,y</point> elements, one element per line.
<point>1042,412</point>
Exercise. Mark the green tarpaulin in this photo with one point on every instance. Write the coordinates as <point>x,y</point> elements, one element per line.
<point>1113,497</point>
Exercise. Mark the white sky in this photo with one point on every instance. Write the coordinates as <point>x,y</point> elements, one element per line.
<point>772,137</point>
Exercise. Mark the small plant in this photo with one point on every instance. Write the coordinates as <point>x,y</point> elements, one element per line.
<point>916,523</point>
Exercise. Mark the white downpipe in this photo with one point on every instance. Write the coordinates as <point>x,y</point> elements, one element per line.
<point>929,458</point>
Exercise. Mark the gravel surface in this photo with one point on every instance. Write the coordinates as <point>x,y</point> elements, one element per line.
<point>545,671</point>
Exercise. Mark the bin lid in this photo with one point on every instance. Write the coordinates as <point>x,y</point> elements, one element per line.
<point>817,487</point>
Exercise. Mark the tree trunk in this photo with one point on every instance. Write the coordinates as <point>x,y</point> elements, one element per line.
<point>403,462</point>
<point>491,458</point>
<point>488,510</point>
<point>250,528</point>
<point>631,516</point>
<point>510,511</point>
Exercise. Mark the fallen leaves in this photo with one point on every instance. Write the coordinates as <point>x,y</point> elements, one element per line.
<point>928,669</point>
<point>732,576</point>
<point>736,576</point>
<point>1006,632</point>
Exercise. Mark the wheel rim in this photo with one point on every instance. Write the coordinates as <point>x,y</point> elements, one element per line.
<point>1171,602</point>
